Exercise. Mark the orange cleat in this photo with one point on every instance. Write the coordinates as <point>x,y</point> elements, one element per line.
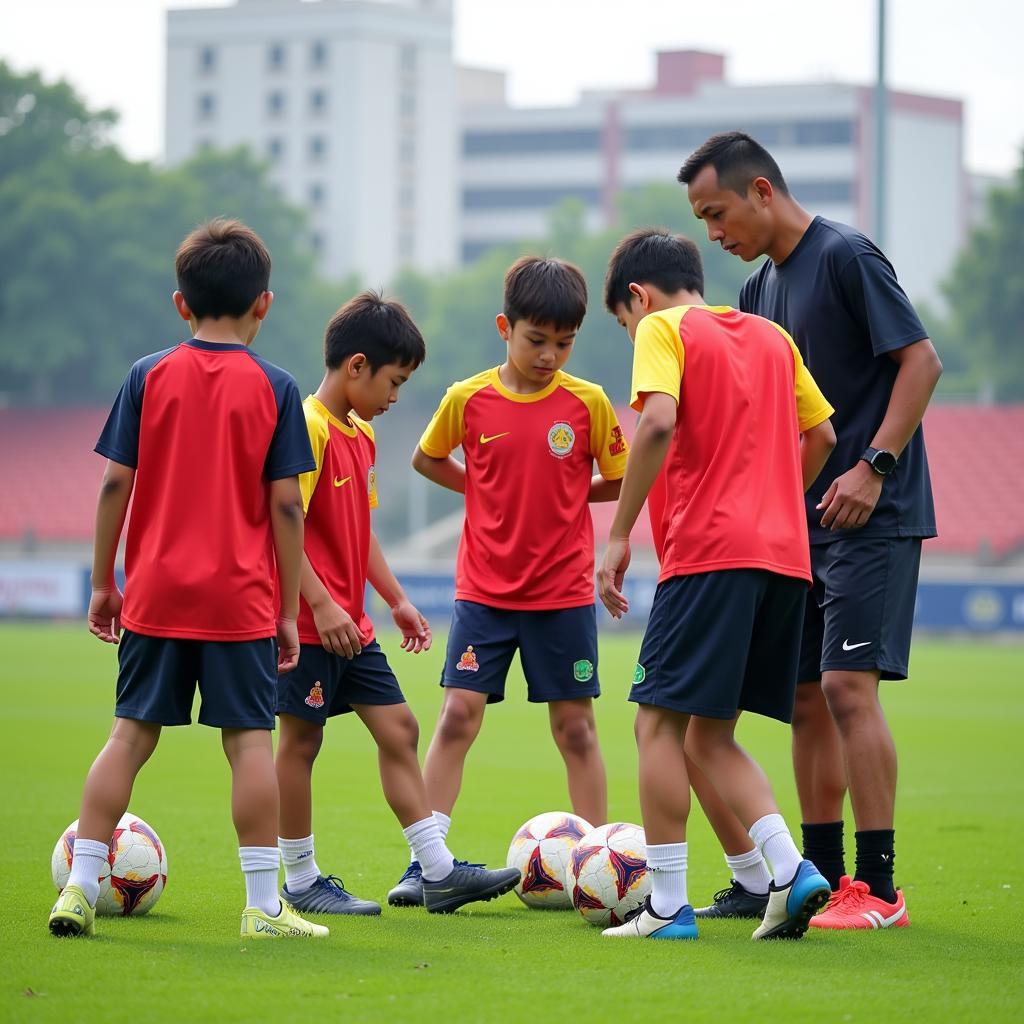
<point>853,906</point>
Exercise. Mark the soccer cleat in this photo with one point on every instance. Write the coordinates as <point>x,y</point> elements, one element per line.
<point>409,891</point>
<point>643,923</point>
<point>735,902</point>
<point>468,883</point>
<point>853,906</point>
<point>791,907</point>
<point>287,925</point>
<point>71,914</point>
<point>329,896</point>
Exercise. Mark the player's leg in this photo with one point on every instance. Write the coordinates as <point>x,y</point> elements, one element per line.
<point>458,725</point>
<point>575,733</point>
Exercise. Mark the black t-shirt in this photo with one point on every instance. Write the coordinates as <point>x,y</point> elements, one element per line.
<point>838,297</point>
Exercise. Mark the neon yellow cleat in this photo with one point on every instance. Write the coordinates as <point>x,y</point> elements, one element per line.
<point>287,925</point>
<point>71,914</point>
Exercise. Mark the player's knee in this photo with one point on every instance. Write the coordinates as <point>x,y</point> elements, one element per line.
<point>849,696</point>
<point>403,733</point>
<point>575,735</point>
<point>808,706</point>
<point>703,744</point>
<point>459,720</point>
<point>301,745</point>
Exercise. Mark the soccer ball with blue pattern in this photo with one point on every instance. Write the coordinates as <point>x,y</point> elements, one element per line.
<point>541,850</point>
<point>608,873</point>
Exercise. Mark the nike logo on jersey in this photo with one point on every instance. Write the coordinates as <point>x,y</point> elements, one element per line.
<point>341,483</point>
<point>847,646</point>
<point>484,439</point>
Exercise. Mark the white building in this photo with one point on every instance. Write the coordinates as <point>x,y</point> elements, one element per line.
<point>353,103</point>
<point>518,163</point>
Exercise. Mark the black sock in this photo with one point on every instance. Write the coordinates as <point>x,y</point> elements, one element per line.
<point>823,846</point>
<point>875,856</point>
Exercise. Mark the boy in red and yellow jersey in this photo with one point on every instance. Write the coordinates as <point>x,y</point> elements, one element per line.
<point>734,429</point>
<point>530,435</point>
<point>371,347</point>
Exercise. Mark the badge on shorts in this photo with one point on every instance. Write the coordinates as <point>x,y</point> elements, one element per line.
<point>561,438</point>
<point>583,671</point>
<point>316,695</point>
<point>639,673</point>
<point>467,661</point>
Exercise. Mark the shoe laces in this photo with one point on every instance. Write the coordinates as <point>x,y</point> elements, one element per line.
<point>849,897</point>
<point>413,871</point>
<point>637,911</point>
<point>723,894</point>
<point>334,883</point>
<point>468,864</point>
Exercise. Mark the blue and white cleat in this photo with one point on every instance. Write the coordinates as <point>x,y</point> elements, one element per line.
<point>644,923</point>
<point>409,891</point>
<point>791,907</point>
<point>329,896</point>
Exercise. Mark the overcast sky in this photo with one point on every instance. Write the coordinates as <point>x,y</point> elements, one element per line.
<point>113,51</point>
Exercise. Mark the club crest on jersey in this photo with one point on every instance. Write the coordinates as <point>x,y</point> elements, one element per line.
<point>583,671</point>
<point>639,674</point>
<point>561,438</point>
<point>371,480</point>
<point>467,661</point>
<point>316,695</point>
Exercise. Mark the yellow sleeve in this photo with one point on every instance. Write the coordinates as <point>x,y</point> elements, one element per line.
<point>316,425</point>
<point>444,432</point>
<point>812,407</point>
<point>371,478</point>
<point>657,359</point>
<point>607,444</point>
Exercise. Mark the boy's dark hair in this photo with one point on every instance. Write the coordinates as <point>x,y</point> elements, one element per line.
<point>737,159</point>
<point>545,291</point>
<point>652,256</point>
<point>381,329</point>
<point>222,268</point>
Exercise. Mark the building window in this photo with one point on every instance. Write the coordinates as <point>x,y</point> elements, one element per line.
<point>528,197</point>
<point>317,194</point>
<point>275,103</point>
<point>316,242</point>
<point>275,148</point>
<point>318,54</point>
<point>277,57</point>
<point>318,101</point>
<point>407,58</point>
<point>822,191</point>
<point>407,104</point>
<point>207,60</point>
<point>406,247</point>
<point>406,197</point>
<point>204,145</point>
<point>407,150</point>
<point>568,140</point>
<point>317,147</point>
<point>207,106</point>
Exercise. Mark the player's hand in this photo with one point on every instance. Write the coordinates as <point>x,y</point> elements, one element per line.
<point>287,645</point>
<point>415,629</point>
<point>852,497</point>
<point>105,614</point>
<point>611,575</point>
<point>338,632</point>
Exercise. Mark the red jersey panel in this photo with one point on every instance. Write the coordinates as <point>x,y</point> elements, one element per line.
<point>206,427</point>
<point>338,496</point>
<point>528,539</point>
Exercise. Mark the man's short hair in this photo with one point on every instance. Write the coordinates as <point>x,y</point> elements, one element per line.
<point>652,256</point>
<point>222,268</point>
<point>381,329</point>
<point>737,159</point>
<point>545,291</point>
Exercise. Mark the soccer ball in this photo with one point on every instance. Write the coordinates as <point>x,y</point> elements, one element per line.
<point>135,873</point>
<point>541,850</point>
<point>608,873</point>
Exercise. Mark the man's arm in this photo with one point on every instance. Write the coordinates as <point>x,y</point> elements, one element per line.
<point>650,446</point>
<point>287,521</point>
<point>448,472</point>
<point>414,627</point>
<point>816,444</point>
<point>852,497</point>
<point>604,490</point>
<point>111,509</point>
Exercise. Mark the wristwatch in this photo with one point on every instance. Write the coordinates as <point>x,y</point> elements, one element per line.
<point>881,461</point>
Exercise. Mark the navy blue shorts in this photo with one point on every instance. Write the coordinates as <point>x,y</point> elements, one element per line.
<point>859,616</point>
<point>326,684</point>
<point>157,680</point>
<point>718,643</point>
<point>557,648</point>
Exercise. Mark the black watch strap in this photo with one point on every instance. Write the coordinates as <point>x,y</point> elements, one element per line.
<point>881,461</point>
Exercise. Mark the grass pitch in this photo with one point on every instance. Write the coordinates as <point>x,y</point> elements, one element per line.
<point>959,841</point>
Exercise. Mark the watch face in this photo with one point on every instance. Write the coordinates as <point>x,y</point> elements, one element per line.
<point>883,462</point>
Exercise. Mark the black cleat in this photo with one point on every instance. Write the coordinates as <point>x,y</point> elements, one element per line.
<point>735,902</point>
<point>409,891</point>
<point>468,883</point>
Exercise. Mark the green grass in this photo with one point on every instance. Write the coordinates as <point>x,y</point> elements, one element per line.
<point>959,842</point>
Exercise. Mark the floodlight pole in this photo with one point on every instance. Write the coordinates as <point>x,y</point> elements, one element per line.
<point>881,117</point>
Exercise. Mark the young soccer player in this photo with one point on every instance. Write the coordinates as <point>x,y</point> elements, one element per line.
<point>530,436</point>
<point>837,294</point>
<point>723,399</point>
<point>371,349</point>
<point>210,438</point>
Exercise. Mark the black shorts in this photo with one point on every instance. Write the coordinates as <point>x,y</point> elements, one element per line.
<point>718,643</point>
<point>860,613</point>
<point>326,684</point>
<point>557,648</point>
<point>158,675</point>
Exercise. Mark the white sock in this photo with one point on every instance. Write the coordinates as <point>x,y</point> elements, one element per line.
<point>300,870</point>
<point>429,848</point>
<point>750,870</point>
<point>86,866</point>
<point>444,823</point>
<point>772,838</point>
<point>260,865</point>
<point>667,866</point>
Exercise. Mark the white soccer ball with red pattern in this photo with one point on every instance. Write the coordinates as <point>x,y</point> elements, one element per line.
<point>135,873</point>
<point>541,850</point>
<point>608,873</point>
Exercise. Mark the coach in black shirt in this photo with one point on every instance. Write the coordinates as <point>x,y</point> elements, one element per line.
<point>835,292</point>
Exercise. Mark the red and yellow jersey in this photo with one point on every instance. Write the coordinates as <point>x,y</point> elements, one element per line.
<point>528,539</point>
<point>730,495</point>
<point>337,497</point>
